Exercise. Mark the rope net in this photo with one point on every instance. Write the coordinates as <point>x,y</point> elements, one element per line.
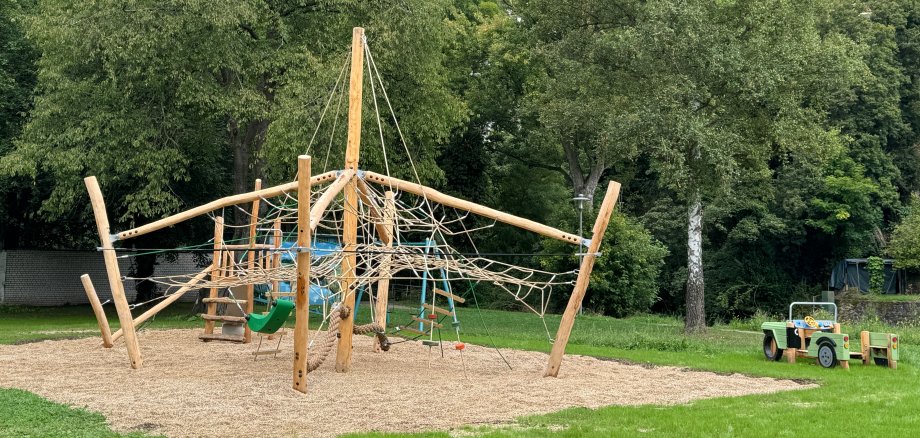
<point>421,247</point>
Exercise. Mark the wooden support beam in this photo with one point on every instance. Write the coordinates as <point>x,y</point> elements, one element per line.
<point>228,201</point>
<point>165,302</point>
<point>581,283</point>
<point>319,209</point>
<point>216,271</point>
<point>460,204</point>
<point>302,299</point>
<point>375,213</point>
<point>383,285</point>
<point>350,216</point>
<point>114,274</point>
<point>251,259</point>
<point>97,310</point>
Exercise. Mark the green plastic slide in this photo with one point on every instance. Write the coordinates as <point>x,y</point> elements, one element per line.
<point>273,321</point>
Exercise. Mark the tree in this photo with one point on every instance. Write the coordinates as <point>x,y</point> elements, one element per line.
<point>174,103</point>
<point>700,92</point>
<point>171,103</point>
<point>17,80</point>
<point>905,240</point>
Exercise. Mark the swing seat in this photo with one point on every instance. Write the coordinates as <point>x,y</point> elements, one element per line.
<point>270,323</point>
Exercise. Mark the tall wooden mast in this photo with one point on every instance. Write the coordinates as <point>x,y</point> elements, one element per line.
<point>350,225</point>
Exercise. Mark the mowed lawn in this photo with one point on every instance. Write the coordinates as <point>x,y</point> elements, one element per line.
<point>866,401</point>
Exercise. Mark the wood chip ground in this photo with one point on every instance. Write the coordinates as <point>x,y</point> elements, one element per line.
<point>188,388</point>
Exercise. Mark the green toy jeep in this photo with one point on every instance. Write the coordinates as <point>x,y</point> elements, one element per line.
<point>821,339</point>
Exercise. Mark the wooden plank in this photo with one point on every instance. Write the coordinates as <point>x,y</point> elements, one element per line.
<point>383,285</point>
<point>412,330</point>
<point>224,318</point>
<point>428,322</point>
<point>222,300</point>
<point>165,302</point>
<point>97,310</point>
<point>221,337</point>
<point>251,258</point>
<point>264,352</point>
<point>581,283</point>
<point>302,299</point>
<point>350,216</point>
<point>460,204</point>
<point>217,259</point>
<point>114,274</point>
<point>443,293</point>
<point>228,201</point>
<point>433,309</point>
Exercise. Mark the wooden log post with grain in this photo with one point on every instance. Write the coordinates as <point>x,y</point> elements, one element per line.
<point>125,319</point>
<point>581,283</point>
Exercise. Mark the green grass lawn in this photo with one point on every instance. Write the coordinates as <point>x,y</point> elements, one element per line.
<point>864,400</point>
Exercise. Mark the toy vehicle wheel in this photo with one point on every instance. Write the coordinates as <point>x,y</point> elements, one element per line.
<point>770,350</point>
<point>827,357</point>
<point>881,361</point>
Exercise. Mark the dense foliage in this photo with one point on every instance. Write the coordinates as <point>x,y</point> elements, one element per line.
<point>757,142</point>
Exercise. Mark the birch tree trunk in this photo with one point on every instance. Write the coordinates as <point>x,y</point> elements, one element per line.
<point>695,320</point>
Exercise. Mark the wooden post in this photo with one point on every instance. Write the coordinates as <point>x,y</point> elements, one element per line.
<point>97,309</point>
<point>845,364</point>
<point>276,255</point>
<point>111,269</point>
<point>864,347</point>
<point>251,262</point>
<point>581,283</point>
<point>893,364</point>
<point>302,298</point>
<point>350,220</point>
<point>216,263</point>
<point>790,351</point>
<point>383,285</point>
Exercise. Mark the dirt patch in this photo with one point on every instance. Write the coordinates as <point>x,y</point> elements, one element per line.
<point>191,388</point>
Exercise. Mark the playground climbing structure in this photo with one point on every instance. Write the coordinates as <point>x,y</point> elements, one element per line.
<point>374,221</point>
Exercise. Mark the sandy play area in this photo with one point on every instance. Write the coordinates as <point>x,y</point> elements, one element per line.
<point>191,388</point>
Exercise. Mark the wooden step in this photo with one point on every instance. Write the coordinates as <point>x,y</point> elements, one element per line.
<point>264,352</point>
<point>412,330</point>
<point>222,300</point>
<point>434,309</point>
<point>219,337</point>
<point>427,321</point>
<point>223,318</point>
<point>449,295</point>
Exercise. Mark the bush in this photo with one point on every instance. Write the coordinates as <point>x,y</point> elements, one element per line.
<point>904,245</point>
<point>625,278</point>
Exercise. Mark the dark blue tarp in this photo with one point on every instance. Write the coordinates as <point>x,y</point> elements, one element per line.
<point>854,274</point>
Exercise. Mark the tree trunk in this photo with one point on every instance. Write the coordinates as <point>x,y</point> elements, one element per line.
<point>695,320</point>
<point>246,141</point>
<point>583,185</point>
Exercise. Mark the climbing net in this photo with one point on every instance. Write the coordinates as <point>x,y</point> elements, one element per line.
<point>390,225</point>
